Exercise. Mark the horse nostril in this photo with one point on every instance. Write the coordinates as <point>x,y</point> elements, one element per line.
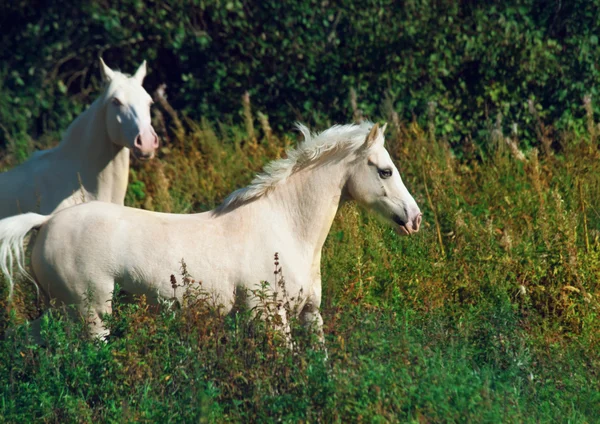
<point>417,222</point>
<point>138,141</point>
<point>155,141</point>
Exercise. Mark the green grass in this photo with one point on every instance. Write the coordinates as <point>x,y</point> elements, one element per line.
<point>489,314</point>
<point>390,363</point>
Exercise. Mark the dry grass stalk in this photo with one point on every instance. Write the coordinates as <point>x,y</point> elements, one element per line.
<point>158,122</point>
<point>498,136</point>
<point>160,199</point>
<point>266,127</point>
<point>513,145</point>
<point>584,214</point>
<point>391,114</point>
<point>542,131</point>
<point>161,98</point>
<point>357,114</point>
<point>435,216</point>
<point>535,175</point>
<point>589,114</point>
<point>514,149</point>
<point>431,107</point>
<point>248,118</point>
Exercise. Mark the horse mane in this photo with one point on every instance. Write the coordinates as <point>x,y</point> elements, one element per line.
<point>332,143</point>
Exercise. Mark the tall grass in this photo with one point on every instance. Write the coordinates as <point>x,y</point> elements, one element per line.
<point>489,314</point>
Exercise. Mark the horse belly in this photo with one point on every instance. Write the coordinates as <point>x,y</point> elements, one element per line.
<point>259,265</point>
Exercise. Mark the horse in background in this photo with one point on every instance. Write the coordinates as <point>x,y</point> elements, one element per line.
<point>92,160</point>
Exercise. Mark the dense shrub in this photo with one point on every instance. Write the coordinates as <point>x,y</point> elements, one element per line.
<point>464,62</point>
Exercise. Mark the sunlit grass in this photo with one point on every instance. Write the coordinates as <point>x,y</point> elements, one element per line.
<point>489,314</point>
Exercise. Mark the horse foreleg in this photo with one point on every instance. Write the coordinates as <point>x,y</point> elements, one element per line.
<point>93,321</point>
<point>92,305</point>
<point>311,318</point>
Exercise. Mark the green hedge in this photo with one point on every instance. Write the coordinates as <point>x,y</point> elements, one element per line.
<point>299,60</point>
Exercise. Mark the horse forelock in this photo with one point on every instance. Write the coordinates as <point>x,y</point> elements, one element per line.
<point>335,142</point>
<point>117,80</point>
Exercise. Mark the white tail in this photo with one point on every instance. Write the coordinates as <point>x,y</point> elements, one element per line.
<point>12,235</point>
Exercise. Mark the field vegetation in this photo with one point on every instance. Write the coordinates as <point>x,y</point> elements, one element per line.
<point>489,314</point>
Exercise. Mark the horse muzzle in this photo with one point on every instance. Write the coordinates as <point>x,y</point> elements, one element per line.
<point>145,144</point>
<point>410,227</point>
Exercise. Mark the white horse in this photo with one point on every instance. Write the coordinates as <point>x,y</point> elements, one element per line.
<point>288,209</point>
<point>92,161</point>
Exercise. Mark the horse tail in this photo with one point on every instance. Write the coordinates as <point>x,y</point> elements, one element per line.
<point>12,236</point>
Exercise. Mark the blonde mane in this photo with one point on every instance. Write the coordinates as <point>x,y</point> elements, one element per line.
<point>336,141</point>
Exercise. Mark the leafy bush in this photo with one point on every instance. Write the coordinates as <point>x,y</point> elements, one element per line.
<point>301,60</point>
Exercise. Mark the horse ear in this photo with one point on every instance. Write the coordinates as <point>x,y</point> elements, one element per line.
<point>383,129</point>
<point>107,73</point>
<point>140,74</point>
<point>373,134</point>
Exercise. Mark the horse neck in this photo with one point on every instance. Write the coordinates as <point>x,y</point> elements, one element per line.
<point>309,200</point>
<point>102,166</point>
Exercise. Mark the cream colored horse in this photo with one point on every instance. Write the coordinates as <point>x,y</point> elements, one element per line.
<point>92,161</point>
<point>287,209</point>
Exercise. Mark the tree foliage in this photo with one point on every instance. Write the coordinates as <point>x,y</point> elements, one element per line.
<point>466,61</point>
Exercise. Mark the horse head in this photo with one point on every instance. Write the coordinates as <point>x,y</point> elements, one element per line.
<point>128,112</point>
<point>375,182</point>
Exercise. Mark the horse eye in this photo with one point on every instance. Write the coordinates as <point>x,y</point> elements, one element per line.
<point>116,102</point>
<point>385,173</point>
